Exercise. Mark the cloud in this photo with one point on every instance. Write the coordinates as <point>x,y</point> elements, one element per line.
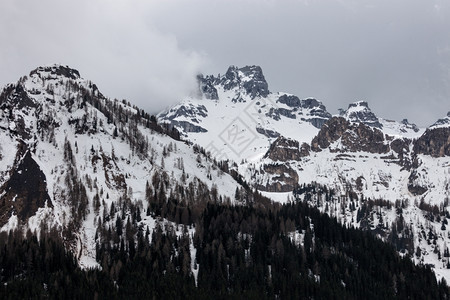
<point>390,53</point>
<point>111,43</point>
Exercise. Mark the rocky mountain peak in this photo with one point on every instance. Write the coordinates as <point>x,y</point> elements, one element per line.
<point>409,125</point>
<point>41,86</point>
<point>249,78</point>
<point>359,104</point>
<point>56,70</point>
<point>444,122</point>
<point>206,87</point>
<point>359,112</point>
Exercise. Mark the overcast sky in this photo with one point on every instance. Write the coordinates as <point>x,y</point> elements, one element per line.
<point>394,54</point>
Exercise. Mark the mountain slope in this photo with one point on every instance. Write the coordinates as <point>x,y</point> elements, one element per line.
<point>234,116</point>
<point>284,144</point>
<point>104,174</point>
<point>69,155</point>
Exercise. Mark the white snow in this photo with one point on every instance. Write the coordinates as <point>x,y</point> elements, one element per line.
<point>50,94</point>
<point>231,135</point>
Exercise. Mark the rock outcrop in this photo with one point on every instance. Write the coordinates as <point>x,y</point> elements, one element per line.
<point>434,142</point>
<point>310,109</point>
<point>284,149</point>
<point>186,117</point>
<point>207,88</point>
<point>353,137</point>
<point>249,78</point>
<point>282,178</point>
<point>25,191</point>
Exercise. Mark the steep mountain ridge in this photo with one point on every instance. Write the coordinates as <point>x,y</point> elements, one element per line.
<point>99,163</point>
<point>234,116</point>
<point>70,157</point>
<point>284,143</point>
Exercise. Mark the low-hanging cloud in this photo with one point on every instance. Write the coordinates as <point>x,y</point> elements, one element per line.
<point>394,54</point>
<point>111,43</point>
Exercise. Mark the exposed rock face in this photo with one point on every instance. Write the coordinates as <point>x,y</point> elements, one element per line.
<point>360,112</point>
<point>267,132</point>
<point>55,71</point>
<point>290,100</point>
<point>413,186</point>
<point>354,137</point>
<point>250,78</point>
<point>366,139</point>
<point>283,178</point>
<point>304,149</point>
<point>206,87</point>
<point>434,142</point>
<point>401,147</point>
<point>113,177</point>
<point>14,100</point>
<point>188,127</point>
<point>445,122</point>
<point>314,111</point>
<point>330,132</point>
<point>15,97</point>
<point>243,92</point>
<point>25,191</point>
<point>317,122</point>
<point>189,112</point>
<point>274,114</point>
<point>283,149</point>
<point>410,125</point>
<point>286,113</point>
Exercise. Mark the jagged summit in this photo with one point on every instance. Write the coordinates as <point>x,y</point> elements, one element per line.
<point>68,154</point>
<point>52,71</point>
<point>247,81</point>
<point>43,86</point>
<point>243,114</point>
<point>244,108</point>
<point>359,112</point>
<point>250,78</point>
<point>444,122</point>
<point>93,155</point>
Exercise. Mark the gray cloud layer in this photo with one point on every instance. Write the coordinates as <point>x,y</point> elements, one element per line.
<point>394,54</point>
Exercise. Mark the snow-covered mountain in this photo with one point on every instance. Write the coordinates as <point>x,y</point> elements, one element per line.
<point>236,117</point>
<point>75,160</point>
<point>72,159</point>
<point>284,143</point>
<point>359,112</point>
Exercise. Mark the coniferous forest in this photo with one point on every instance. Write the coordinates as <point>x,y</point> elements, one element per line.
<point>247,252</point>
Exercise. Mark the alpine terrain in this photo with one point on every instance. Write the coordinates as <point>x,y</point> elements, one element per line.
<point>391,178</point>
<point>235,192</point>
